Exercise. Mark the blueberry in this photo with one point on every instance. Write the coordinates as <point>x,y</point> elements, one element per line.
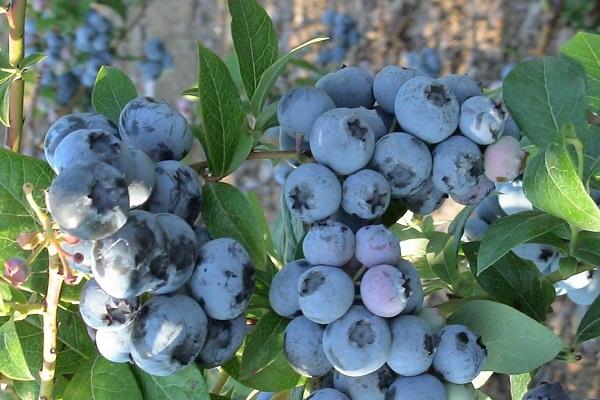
<point>384,290</point>
<point>303,347</point>
<point>222,342</point>
<point>372,386</point>
<point>421,387</point>
<point>511,197</point>
<point>115,345</point>
<point>348,87</point>
<point>155,49</point>
<point>100,310</point>
<point>462,86</point>
<point>338,54</point>
<point>427,108</point>
<point>511,128</point>
<point>151,69</point>
<point>425,200</point>
<point>586,295</point>
<point>328,243</point>
<point>389,119</point>
<point>504,160</point>
<point>224,279</point>
<point>99,22</point>
<point>168,334</point>
<point>92,145</point>
<point>547,391</point>
<point>265,396</point>
<point>342,140</point>
<point>481,190</point>
<point>180,245</point>
<point>283,292</point>
<point>386,85</point>
<point>328,17</point>
<point>101,43</point>
<point>299,108</point>
<point>489,210</point>
<point>461,392</point>
<point>377,245</point>
<point>83,38</point>
<point>312,192</point>
<point>374,120</point>
<point>460,355</point>
<point>358,343</point>
<point>202,235</point>
<point>366,194</point>
<point>404,161</point>
<point>155,127</point>
<point>324,57</point>
<point>142,177</point>
<point>67,85</point>
<point>176,191</point>
<point>481,120</point>
<point>48,78</point>
<point>475,228</point>
<point>351,221</point>
<point>542,255</point>
<point>327,394</point>
<point>426,60</point>
<point>281,172</point>
<point>416,296</point>
<point>83,248</point>
<point>134,259</point>
<point>413,345</point>
<point>325,293</point>
<point>457,166</point>
<point>89,200</point>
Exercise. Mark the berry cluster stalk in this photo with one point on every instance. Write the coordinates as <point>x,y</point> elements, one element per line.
<point>16,52</point>
<point>50,329</point>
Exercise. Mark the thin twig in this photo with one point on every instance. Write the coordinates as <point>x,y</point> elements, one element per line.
<point>49,351</point>
<point>222,379</point>
<point>549,28</point>
<point>16,52</point>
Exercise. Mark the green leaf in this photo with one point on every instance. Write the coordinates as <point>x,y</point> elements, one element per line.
<point>27,390</point>
<point>589,327</point>
<point>112,90</point>
<point>515,342</point>
<point>263,224</point>
<point>545,94</point>
<point>269,77</point>
<point>263,344</point>
<point>185,384</point>
<point>567,266</point>
<point>267,118</point>
<point>32,59</point>
<point>288,232</point>
<point>552,185</point>
<point>16,170</point>
<point>515,282</point>
<point>254,39</point>
<point>4,102</point>
<point>227,213</point>
<point>506,233</point>
<point>587,248</point>
<point>224,136</point>
<point>103,380</point>
<point>585,48</point>
<point>518,385</point>
<point>12,358</point>
<point>445,262</point>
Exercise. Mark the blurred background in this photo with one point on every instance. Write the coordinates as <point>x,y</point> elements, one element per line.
<point>155,43</point>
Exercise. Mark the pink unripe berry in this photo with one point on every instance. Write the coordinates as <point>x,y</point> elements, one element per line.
<point>384,290</point>
<point>504,160</point>
<point>16,271</point>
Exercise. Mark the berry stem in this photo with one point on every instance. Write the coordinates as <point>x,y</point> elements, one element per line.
<point>222,379</point>
<point>557,276</point>
<point>16,52</point>
<point>50,329</point>
<point>254,155</point>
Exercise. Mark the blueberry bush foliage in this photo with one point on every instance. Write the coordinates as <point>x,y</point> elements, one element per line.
<point>46,351</point>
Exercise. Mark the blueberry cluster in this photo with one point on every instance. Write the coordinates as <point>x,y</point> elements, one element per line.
<point>74,61</point>
<point>582,288</point>
<point>156,59</point>
<point>546,390</point>
<point>127,206</point>
<point>342,29</point>
<point>370,336</point>
<point>446,139</point>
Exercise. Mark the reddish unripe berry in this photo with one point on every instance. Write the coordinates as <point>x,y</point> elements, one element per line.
<point>504,160</point>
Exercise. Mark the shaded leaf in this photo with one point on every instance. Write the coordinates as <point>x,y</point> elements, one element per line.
<point>585,48</point>
<point>288,232</point>
<point>506,233</point>
<point>185,384</point>
<point>227,213</point>
<point>32,59</point>
<point>589,327</point>
<point>515,342</point>
<point>4,102</point>
<point>518,385</point>
<point>552,185</point>
<point>12,358</point>
<point>254,39</point>
<point>112,90</point>
<point>263,344</point>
